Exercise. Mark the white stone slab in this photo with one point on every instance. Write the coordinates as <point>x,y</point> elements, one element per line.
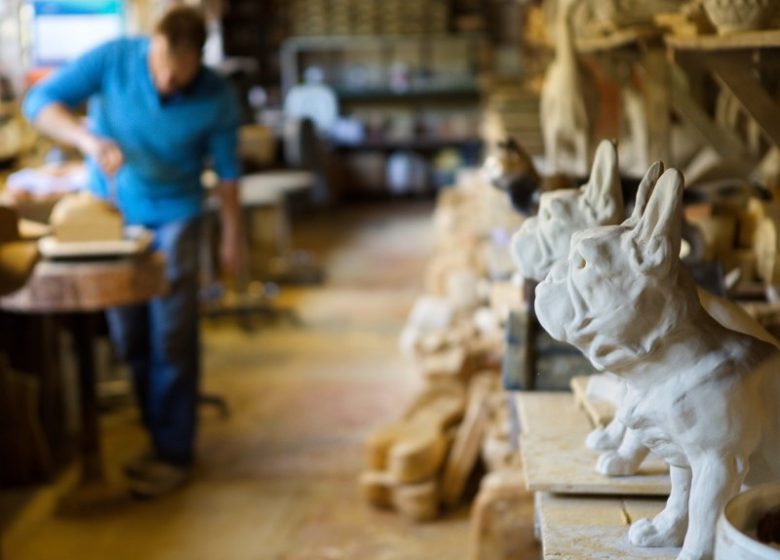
<point>555,458</point>
<point>589,528</point>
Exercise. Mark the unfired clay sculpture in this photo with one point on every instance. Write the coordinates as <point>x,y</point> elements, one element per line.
<point>701,396</point>
<point>544,240</point>
<point>568,101</point>
<point>84,217</point>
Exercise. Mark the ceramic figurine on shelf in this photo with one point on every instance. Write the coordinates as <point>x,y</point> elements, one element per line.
<point>699,395</point>
<point>544,240</point>
<point>511,170</point>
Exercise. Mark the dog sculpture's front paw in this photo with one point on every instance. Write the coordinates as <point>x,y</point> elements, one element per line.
<point>613,464</point>
<point>654,533</point>
<point>601,439</point>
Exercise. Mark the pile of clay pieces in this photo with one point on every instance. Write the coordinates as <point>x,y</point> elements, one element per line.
<point>454,339</point>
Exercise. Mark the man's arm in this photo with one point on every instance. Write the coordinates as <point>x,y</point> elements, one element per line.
<point>49,106</point>
<point>232,250</point>
<point>223,146</point>
<point>57,122</point>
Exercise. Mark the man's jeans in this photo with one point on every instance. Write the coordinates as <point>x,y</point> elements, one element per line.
<point>160,340</point>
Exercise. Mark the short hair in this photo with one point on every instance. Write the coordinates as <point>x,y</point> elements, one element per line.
<point>184,28</point>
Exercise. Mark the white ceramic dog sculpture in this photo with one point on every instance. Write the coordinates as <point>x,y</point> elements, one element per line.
<point>703,397</point>
<point>544,240</point>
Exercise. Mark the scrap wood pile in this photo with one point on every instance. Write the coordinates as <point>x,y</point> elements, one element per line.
<point>454,338</point>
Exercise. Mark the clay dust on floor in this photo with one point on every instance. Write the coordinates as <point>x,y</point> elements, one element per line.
<point>278,479</point>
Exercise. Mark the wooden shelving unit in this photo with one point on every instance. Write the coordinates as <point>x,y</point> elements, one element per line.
<point>384,51</point>
<point>441,83</point>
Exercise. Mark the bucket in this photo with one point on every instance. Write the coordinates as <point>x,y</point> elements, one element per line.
<point>738,524</point>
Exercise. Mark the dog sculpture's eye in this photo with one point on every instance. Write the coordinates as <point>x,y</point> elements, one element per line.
<point>581,263</point>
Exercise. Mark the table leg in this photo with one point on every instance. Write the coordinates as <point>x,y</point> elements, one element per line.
<point>93,489</point>
<point>83,338</point>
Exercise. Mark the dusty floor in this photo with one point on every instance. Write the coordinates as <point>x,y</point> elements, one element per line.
<point>277,480</point>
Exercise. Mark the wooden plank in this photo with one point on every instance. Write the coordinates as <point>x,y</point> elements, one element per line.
<point>465,449</point>
<point>626,37</point>
<point>724,141</point>
<point>738,77</point>
<point>584,528</point>
<point>599,412</point>
<point>744,40</point>
<point>555,458</point>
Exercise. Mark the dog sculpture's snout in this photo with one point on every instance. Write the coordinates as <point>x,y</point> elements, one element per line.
<point>525,249</point>
<point>558,272</point>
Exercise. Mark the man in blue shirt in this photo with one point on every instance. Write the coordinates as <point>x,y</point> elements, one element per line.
<point>156,117</point>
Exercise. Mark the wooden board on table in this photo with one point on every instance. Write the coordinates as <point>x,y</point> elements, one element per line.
<point>583,528</point>
<point>468,439</point>
<point>555,459</point>
<point>743,40</point>
<point>600,412</point>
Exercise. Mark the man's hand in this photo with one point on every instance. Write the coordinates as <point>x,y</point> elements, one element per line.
<point>57,121</point>
<point>105,152</point>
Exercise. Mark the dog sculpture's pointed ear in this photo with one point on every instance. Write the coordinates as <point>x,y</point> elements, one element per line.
<point>643,192</point>
<point>602,192</point>
<point>659,231</point>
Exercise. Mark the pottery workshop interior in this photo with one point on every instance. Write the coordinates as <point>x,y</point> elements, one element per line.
<point>390,279</point>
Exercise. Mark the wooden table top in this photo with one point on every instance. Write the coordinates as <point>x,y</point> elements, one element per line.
<point>82,286</point>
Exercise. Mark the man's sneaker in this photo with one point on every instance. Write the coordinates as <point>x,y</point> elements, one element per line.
<point>158,478</point>
<point>136,466</point>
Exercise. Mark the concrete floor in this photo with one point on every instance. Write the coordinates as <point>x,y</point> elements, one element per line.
<point>278,479</point>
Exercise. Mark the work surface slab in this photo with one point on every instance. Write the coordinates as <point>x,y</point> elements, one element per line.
<point>588,528</point>
<point>553,431</point>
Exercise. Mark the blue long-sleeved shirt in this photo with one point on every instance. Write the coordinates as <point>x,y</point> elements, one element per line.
<point>166,143</point>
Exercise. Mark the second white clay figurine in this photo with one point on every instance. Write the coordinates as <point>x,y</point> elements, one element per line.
<point>544,240</point>
<point>699,395</point>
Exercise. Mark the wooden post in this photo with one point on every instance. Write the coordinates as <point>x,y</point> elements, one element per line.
<point>83,325</point>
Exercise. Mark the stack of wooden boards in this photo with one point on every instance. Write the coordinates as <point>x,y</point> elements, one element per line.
<point>454,338</point>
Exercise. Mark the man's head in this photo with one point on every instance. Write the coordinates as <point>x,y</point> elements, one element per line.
<point>176,50</point>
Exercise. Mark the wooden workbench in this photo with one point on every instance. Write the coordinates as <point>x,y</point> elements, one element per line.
<point>78,289</point>
<point>555,459</point>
